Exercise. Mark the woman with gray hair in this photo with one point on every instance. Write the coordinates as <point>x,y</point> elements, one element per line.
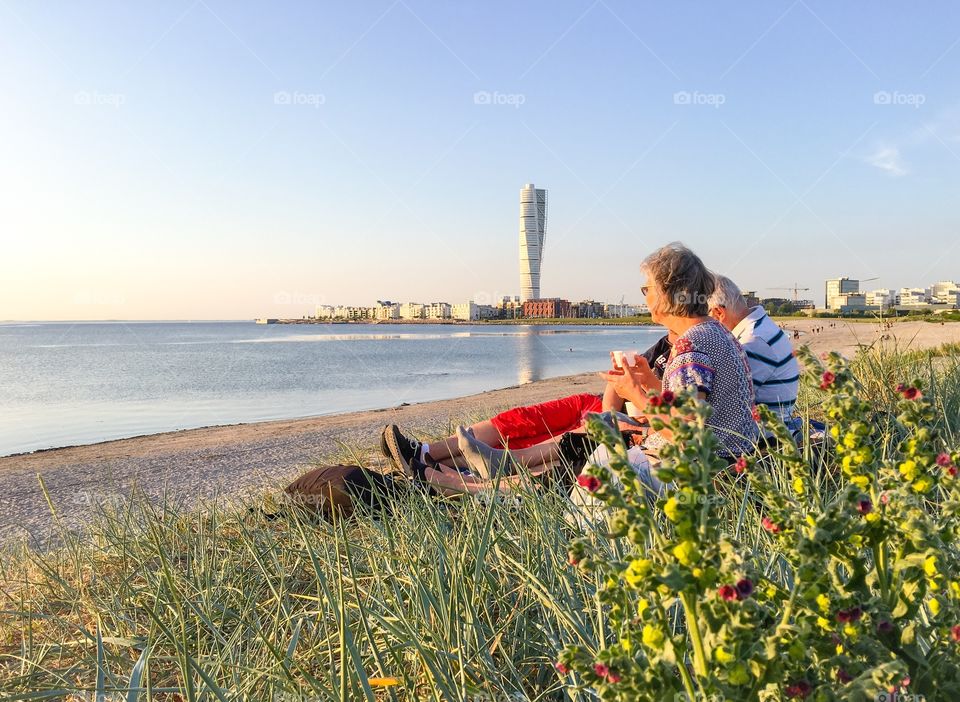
<point>705,355</point>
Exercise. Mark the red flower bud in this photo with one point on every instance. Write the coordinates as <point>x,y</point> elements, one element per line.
<point>912,393</point>
<point>745,587</point>
<point>728,593</point>
<point>943,460</point>
<point>955,633</point>
<point>561,668</point>
<point>864,506</point>
<point>900,388</point>
<point>668,397</point>
<point>770,525</point>
<point>755,413</point>
<point>741,465</point>
<point>613,678</point>
<point>799,689</point>
<point>846,616</point>
<point>885,498</point>
<point>573,560</point>
<point>826,380</point>
<point>655,401</point>
<point>601,670</point>
<point>952,471</point>
<point>588,482</point>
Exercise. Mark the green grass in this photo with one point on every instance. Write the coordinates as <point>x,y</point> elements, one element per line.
<point>468,599</point>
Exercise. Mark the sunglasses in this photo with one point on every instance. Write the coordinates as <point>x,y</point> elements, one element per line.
<point>644,289</point>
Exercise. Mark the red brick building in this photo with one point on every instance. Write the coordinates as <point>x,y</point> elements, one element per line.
<point>551,307</point>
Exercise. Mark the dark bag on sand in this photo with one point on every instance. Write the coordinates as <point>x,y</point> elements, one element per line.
<point>339,490</point>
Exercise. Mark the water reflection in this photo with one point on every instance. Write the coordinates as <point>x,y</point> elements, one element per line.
<point>529,356</point>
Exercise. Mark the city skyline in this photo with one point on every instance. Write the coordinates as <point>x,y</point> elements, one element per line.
<point>207,160</point>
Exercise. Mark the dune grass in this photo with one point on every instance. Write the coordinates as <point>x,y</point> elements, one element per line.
<point>438,600</point>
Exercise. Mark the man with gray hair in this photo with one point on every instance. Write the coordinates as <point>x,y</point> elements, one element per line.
<point>775,371</point>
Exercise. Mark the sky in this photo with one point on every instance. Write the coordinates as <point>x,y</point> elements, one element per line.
<point>205,159</point>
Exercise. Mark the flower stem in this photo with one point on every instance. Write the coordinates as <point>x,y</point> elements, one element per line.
<point>693,625</point>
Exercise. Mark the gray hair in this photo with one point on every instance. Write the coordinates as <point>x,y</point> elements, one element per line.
<point>726,294</point>
<point>685,282</point>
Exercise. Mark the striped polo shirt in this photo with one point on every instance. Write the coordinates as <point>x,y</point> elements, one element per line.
<point>775,371</point>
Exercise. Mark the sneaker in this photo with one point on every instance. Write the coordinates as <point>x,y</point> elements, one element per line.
<point>401,449</point>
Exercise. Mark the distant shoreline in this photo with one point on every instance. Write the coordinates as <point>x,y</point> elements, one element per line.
<point>644,320</point>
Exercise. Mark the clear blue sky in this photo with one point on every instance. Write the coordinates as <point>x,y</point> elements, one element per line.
<point>211,159</point>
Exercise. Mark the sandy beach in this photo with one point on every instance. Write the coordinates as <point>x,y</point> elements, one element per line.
<point>197,464</point>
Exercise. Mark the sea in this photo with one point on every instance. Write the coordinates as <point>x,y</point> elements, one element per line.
<point>70,383</point>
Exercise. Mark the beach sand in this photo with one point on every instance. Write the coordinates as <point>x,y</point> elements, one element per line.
<point>198,464</point>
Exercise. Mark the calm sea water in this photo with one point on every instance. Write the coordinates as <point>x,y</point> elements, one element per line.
<point>63,383</point>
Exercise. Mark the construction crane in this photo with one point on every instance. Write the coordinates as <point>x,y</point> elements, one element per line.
<point>796,291</point>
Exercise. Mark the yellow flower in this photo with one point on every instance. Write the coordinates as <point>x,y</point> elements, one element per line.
<point>823,602</point>
<point>652,636</point>
<point>922,484</point>
<point>930,566</point>
<point>824,624</point>
<point>798,486</point>
<point>851,631</point>
<point>908,469</point>
<point>686,552</point>
<point>638,569</point>
<point>861,481</point>
<point>934,606</point>
<point>697,572</point>
<point>955,588</point>
<point>847,464</point>
<point>642,606</point>
<point>738,675</point>
<point>626,644</point>
<point>722,655</point>
<point>872,517</point>
<point>856,541</point>
<point>839,649</point>
<point>835,431</point>
<point>811,521</point>
<point>671,508</point>
<point>851,440</point>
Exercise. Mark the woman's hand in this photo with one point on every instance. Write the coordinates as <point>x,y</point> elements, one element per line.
<point>634,382</point>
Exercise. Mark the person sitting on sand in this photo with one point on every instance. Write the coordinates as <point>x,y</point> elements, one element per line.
<point>775,371</point>
<point>705,356</point>
<point>773,367</point>
<point>518,428</point>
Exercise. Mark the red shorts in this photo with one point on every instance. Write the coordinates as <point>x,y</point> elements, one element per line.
<point>525,426</point>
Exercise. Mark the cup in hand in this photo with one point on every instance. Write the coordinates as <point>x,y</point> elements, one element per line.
<point>630,357</point>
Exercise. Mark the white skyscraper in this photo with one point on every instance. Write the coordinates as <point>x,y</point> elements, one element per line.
<point>533,226</point>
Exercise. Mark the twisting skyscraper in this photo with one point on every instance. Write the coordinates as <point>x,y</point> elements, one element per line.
<point>533,226</point>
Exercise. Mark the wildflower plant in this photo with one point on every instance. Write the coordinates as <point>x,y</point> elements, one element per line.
<point>859,599</point>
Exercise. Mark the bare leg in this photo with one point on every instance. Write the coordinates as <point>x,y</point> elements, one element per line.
<point>448,448</point>
<point>489,462</point>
